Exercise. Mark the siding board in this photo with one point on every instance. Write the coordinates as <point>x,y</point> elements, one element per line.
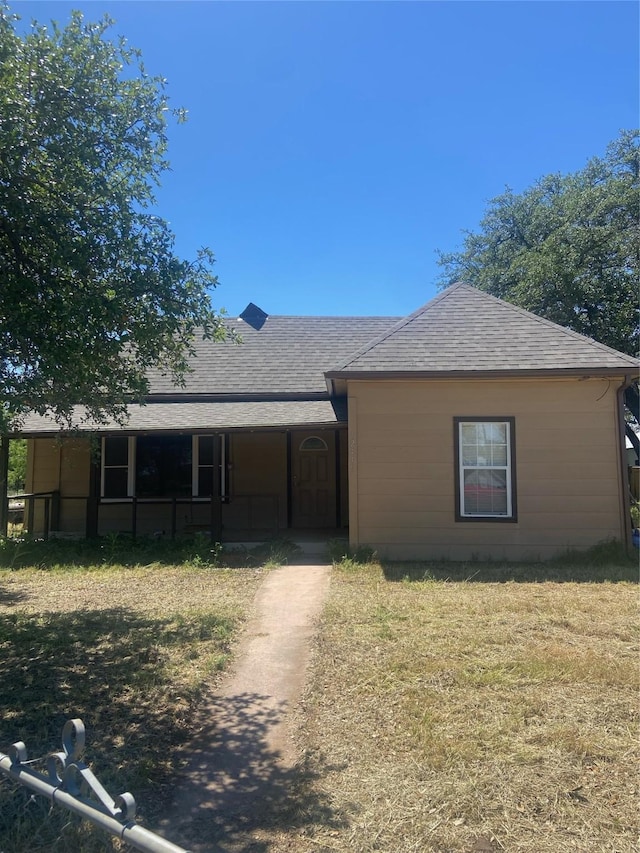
<point>567,475</point>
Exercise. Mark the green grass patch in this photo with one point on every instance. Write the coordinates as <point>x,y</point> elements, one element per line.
<point>115,550</point>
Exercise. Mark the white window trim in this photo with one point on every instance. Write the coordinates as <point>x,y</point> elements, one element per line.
<point>195,464</point>
<point>462,468</point>
<point>131,467</point>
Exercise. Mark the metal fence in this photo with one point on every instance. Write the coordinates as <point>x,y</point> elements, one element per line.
<point>69,783</point>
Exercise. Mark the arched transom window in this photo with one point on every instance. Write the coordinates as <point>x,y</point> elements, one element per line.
<point>314,442</point>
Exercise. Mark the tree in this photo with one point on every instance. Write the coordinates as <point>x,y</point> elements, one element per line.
<point>17,472</point>
<point>567,248</point>
<point>92,292</point>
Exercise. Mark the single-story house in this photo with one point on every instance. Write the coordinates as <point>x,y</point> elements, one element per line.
<point>470,428</point>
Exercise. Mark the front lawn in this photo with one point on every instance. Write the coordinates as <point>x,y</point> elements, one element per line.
<point>454,713</point>
<point>449,708</point>
<point>127,648</point>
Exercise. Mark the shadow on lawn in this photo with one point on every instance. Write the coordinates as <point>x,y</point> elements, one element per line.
<point>110,668</point>
<point>236,789</point>
<point>107,667</point>
<point>11,596</point>
<point>606,562</point>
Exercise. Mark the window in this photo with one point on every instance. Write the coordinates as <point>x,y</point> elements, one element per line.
<point>210,466</point>
<point>155,466</point>
<point>485,469</point>
<point>314,442</point>
<point>116,481</point>
<point>163,466</point>
<point>203,469</point>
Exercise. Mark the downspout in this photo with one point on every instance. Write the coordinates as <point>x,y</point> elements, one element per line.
<point>626,502</point>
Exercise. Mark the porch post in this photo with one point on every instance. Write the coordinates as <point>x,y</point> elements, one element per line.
<point>93,497</point>
<point>4,479</point>
<point>217,490</point>
<point>336,441</point>
<point>289,474</point>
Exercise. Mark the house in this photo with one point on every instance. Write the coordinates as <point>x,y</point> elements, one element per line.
<point>471,428</point>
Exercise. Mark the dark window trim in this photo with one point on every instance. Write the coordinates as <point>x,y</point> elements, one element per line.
<point>490,519</point>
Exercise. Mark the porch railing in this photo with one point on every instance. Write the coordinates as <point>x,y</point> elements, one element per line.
<point>210,508</point>
<point>41,513</point>
<point>50,502</point>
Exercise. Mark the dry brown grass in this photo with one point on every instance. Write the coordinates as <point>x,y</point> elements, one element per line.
<point>440,715</point>
<point>130,650</point>
<point>453,716</point>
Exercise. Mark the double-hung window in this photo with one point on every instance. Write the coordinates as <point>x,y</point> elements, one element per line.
<point>210,466</point>
<point>117,474</point>
<point>485,469</point>
<point>162,466</point>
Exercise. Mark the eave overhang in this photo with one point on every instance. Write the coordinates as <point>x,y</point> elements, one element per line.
<point>337,379</point>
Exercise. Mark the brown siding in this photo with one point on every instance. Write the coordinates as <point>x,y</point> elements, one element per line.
<point>567,467</point>
<point>43,466</point>
<point>75,467</point>
<point>61,466</point>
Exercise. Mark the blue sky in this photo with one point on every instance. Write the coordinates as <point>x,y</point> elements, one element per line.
<point>333,147</point>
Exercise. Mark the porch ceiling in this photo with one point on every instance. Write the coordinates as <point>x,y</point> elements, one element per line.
<point>193,416</point>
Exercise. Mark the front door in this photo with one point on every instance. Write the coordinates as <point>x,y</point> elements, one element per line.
<point>313,487</point>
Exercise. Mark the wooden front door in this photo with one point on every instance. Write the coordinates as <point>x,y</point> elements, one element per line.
<point>313,487</point>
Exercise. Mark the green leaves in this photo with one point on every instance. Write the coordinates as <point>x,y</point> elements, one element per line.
<point>567,248</point>
<point>93,293</point>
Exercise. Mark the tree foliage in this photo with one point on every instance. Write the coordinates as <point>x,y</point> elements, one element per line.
<point>92,292</point>
<point>567,248</point>
<point>17,470</point>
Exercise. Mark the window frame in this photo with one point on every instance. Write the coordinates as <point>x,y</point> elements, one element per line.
<point>512,504</point>
<point>306,445</point>
<point>130,467</point>
<point>220,468</point>
<point>220,462</point>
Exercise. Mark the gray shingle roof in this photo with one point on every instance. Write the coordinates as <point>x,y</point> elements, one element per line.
<point>286,355</point>
<point>467,330</point>
<point>212,416</point>
<point>276,377</point>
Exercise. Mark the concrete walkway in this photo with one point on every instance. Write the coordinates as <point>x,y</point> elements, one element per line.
<point>243,764</point>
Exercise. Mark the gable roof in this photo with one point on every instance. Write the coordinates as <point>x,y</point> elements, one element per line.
<point>284,356</point>
<point>279,375</point>
<point>467,331</point>
<point>275,377</point>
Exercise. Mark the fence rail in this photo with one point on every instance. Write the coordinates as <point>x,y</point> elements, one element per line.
<point>71,784</point>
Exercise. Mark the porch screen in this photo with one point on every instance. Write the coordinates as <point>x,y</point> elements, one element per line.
<point>163,466</point>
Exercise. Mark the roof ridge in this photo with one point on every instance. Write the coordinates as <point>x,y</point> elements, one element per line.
<point>328,317</point>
